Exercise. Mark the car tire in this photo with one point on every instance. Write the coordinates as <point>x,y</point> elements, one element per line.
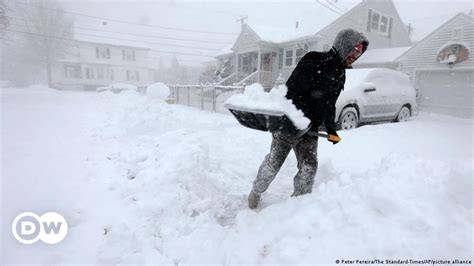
<point>348,119</point>
<point>404,114</point>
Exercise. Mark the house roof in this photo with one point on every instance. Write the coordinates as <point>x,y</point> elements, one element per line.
<point>459,15</point>
<point>225,51</point>
<point>88,36</point>
<point>279,35</point>
<point>433,16</point>
<point>306,28</point>
<point>381,55</point>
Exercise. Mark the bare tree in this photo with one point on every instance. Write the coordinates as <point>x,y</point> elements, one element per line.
<point>43,34</point>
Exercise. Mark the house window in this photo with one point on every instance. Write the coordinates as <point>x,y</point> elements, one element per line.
<point>289,57</point>
<point>102,52</point>
<point>300,52</point>
<point>73,71</point>
<point>89,73</point>
<point>378,22</point>
<point>133,75</point>
<point>128,54</point>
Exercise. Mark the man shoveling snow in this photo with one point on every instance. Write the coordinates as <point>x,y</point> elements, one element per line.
<point>313,87</point>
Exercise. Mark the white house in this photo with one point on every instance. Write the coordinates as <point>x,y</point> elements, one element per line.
<point>95,62</point>
<point>443,68</point>
<point>263,54</point>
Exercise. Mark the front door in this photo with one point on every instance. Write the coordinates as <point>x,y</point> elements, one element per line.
<point>268,61</point>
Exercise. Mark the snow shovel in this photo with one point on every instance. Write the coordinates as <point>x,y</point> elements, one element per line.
<point>272,121</point>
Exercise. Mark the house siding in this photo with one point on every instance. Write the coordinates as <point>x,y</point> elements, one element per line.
<point>424,55</point>
<point>246,40</point>
<point>443,88</point>
<point>85,57</point>
<point>357,19</point>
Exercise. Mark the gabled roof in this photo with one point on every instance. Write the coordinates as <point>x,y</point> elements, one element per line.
<point>225,51</point>
<point>279,35</point>
<point>459,15</point>
<point>274,34</point>
<point>432,16</point>
<point>382,55</point>
<point>112,35</point>
<point>82,35</point>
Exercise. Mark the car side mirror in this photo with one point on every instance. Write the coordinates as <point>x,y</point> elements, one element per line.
<point>370,90</point>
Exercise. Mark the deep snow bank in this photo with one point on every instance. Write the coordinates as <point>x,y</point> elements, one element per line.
<point>141,181</point>
<point>387,191</point>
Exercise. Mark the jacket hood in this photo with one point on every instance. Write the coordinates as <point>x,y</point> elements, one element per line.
<point>347,39</point>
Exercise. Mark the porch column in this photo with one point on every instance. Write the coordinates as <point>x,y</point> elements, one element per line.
<point>259,66</point>
<point>237,67</point>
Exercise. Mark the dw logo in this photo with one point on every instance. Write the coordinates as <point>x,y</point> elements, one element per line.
<point>28,228</point>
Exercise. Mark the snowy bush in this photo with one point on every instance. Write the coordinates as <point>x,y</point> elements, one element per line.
<point>158,91</point>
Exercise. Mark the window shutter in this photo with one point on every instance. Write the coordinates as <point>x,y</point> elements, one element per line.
<point>97,52</point>
<point>390,27</point>
<point>108,53</point>
<point>369,20</point>
<point>123,54</point>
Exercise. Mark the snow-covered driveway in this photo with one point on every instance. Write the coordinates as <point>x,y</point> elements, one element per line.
<point>140,181</point>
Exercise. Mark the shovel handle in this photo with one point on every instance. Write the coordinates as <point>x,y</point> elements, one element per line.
<point>331,138</point>
<point>318,134</point>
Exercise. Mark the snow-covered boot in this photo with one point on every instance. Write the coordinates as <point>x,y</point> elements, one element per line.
<point>254,199</point>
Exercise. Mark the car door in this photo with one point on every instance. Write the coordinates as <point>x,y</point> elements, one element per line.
<point>372,103</point>
<point>392,102</point>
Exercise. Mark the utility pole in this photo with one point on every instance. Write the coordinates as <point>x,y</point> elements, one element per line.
<point>242,20</point>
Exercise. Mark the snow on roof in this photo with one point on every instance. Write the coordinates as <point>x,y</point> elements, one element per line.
<point>226,50</point>
<point>109,38</point>
<point>278,35</point>
<point>382,55</point>
<point>306,28</point>
<point>435,14</point>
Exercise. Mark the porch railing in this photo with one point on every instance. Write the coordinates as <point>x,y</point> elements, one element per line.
<point>266,78</point>
<point>205,97</point>
<point>230,80</point>
<point>250,79</point>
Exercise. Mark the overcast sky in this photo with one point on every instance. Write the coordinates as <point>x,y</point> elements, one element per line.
<point>221,17</point>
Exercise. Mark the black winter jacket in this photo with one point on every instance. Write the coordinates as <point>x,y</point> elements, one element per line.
<point>315,85</point>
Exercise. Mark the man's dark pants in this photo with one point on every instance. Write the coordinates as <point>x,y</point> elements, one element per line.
<point>305,148</point>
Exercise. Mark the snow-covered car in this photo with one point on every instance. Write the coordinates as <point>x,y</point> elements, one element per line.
<point>117,88</point>
<point>373,95</point>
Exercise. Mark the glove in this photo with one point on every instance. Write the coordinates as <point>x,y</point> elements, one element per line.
<point>334,138</point>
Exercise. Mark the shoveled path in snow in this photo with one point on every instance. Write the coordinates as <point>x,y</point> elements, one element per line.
<point>169,185</point>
